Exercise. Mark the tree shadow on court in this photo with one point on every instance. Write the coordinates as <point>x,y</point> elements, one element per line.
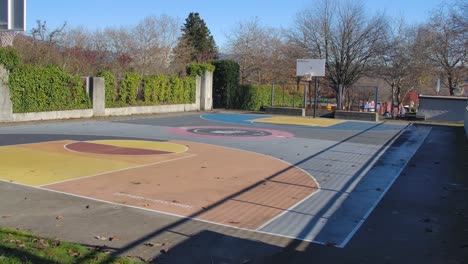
<point>213,247</point>
<point>291,247</point>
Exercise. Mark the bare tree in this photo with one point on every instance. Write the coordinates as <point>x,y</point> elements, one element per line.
<point>260,51</point>
<point>153,42</point>
<point>341,33</point>
<point>402,64</point>
<point>446,39</point>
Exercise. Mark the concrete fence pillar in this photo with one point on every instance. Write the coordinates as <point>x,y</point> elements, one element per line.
<point>97,93</point>
<point>198,81</point>
<point>207,91</point>
<point>6,107</point>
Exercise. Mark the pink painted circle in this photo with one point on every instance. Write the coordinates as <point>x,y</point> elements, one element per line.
<point>230,132</point>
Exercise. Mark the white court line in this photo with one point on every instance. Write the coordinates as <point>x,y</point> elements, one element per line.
<point>366,170</point>
<point>124,169</point>
<point>161,212</point>
<point>361,221</point>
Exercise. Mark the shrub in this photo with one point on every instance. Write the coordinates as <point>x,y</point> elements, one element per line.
<point>128,88</point>
<point>225,80</point>
<point>189,89</point>
<point>9,58</point>
<point>155,90</point>
<point>37,89</point>
<point>254,97</point>
<point>194,69</point>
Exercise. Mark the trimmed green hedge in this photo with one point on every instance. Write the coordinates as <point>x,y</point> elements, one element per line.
<point>225,78</point>
<point>38,89</point>
<point>254,97</point>
<point>133,90</point>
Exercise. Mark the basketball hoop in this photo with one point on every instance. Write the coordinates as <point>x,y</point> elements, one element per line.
<point>308,77</point>
<point>6,38</point>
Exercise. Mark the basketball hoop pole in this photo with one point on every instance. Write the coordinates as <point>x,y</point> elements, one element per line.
<point>315,96</point>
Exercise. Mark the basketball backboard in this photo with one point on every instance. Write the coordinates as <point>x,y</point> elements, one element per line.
<point>310,67</point>
<point>12,15</point>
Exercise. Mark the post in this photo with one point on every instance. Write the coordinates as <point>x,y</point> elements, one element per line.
<point>272,94</point>
<point>98,95</point>
<point>316,97</point>
<point>376,98</point>
<point>340,95</point>
<point>207,91</point>
<point>283,96</point>
<point>305,95</point>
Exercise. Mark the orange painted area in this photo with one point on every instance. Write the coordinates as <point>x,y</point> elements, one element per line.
<point>212,183</point>
<point>216,184</point>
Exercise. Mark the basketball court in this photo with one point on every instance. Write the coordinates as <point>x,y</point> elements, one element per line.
<point>281,177</point>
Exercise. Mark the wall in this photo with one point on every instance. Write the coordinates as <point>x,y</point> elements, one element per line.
<point>443,108</point>
<point>285,111</point>
<point>361,116</point>
<point>96,90</point>
<point>6,108</point>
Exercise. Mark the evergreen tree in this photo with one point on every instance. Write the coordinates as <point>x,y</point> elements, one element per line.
<point>197,39</point>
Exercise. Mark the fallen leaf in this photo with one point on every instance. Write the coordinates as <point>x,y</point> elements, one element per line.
<point>163,251</point>
<point>100,237</point>
<point>114,238</point>
<point>59,217</point>
<point>146,205</point>
<point>6,216</point>
<point>149,244</point>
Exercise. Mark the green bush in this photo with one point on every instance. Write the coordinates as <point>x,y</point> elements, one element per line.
<point>194,69</point>
<point>128,88</point>
<point>155,90</point>
<point>111,88</point>
<point>254,97</point>
<point>189,89</point>
<point>9,58</point>
<point>225,79</point>
<point>38,89</point>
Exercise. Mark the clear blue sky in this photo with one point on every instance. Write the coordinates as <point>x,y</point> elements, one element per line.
<point>220,15</point>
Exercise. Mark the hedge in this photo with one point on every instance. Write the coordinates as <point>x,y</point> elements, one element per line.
<point>38,89</point>
<point>134,90</point>
<point>254,97</point>
<point>225,79</point>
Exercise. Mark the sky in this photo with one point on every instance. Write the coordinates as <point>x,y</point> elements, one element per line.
<point>221,16</point>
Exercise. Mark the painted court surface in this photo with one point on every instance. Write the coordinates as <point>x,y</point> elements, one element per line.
<point>313,180</point>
